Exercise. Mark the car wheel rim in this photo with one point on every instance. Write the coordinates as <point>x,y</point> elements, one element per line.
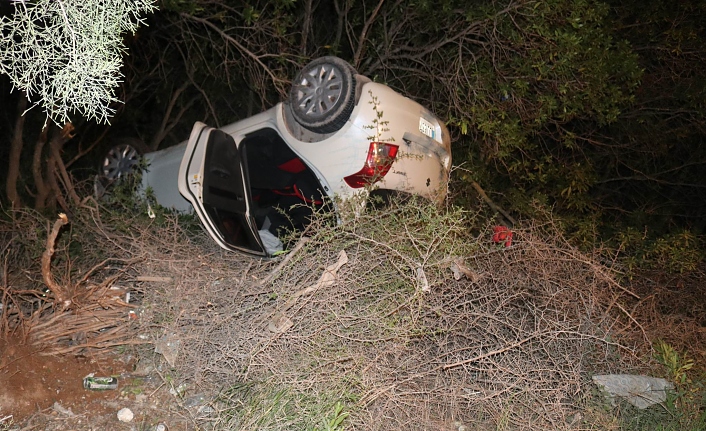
<point>119,161</point>
<point>318,90</point>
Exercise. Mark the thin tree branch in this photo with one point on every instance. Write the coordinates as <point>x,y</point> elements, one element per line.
<point>364,34</point>
<point>165,126</point>
<point>234,42</point>
<point>492,204</point>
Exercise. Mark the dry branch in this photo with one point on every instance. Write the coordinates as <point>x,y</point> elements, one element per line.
<point>492,204</point>
<point>59,292</point>
<point>229,39</point>
<point>154,279</point>
<point>72,316</point>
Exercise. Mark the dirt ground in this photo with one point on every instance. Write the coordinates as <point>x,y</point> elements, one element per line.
<point>45,392</point>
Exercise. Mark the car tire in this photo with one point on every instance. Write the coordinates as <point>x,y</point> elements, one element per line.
<point>120,161</point>
<point>323,94</point>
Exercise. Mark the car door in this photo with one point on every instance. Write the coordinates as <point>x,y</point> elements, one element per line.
<point>212,176</point>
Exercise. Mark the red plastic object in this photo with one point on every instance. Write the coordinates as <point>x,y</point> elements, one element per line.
<point>502,234</point>
<point>293,166</point>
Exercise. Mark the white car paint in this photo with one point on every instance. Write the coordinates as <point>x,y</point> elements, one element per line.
<point>421,166</point>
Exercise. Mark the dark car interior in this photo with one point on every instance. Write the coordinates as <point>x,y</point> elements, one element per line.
<point>285,192</point>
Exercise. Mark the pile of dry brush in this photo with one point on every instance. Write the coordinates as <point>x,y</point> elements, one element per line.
<point>404,318</point>
<point>407,317</point>
<point>67,284</point>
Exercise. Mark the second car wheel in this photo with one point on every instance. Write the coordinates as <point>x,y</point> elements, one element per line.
<point>323,94</point>
<point>122,159</point>
<point>119,162</point>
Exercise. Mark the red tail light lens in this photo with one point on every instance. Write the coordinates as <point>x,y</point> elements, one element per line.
<point>377,165</point>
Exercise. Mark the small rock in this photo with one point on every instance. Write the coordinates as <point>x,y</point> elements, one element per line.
<point>640,391</point>
<point>206,410</point>
<point>180,390</point>
<point>140,398</point>
<point>125,415</point>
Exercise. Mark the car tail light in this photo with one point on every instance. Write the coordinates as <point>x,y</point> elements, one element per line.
<point>377,165</point>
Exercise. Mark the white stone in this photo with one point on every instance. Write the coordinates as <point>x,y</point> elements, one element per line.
<point>125,415</point>
<point>640,391</point>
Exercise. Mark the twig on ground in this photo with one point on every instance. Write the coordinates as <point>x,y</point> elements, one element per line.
<point>154,279</point>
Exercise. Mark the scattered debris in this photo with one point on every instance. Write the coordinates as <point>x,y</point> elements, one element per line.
<point>179,391</point>
<point>99,383</point>
<point>195,400</point>
<point>459,269</point>
<point>279,322</point>
<point>168,346</point>
<point>328,278</point>
<point>640,391</point>
<point>422,281</point>
<point>502,234</point>
<point>62,410</point>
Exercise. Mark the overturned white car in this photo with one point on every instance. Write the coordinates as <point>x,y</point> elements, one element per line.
<point>338,135</point>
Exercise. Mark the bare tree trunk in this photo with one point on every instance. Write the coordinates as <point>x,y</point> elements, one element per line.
<point>342,16</point>
<point>40,200</point>
<point>58,139</point>
<point>52,166</point>
<point>13,168</point>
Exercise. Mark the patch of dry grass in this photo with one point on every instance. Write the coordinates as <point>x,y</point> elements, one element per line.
<point>427,325</point>
<point>509,345</point>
